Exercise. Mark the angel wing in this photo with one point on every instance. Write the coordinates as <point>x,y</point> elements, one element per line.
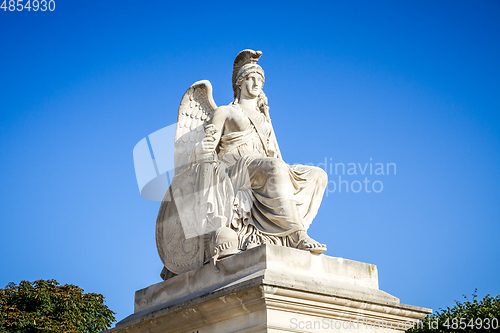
<point>179,229</point>
<point>195,112</point>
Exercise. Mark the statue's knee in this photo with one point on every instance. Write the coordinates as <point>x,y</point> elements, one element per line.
<point>276,166</point>
<point>321,176</point>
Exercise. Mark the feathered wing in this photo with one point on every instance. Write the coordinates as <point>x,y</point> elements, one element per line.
<point>195,112</point>
<point>179,226</point>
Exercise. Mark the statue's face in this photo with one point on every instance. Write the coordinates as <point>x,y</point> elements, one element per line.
<point>252,85</point>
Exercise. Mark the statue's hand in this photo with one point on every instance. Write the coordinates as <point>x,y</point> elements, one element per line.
<point>210,130</point>
<point>206,146</point>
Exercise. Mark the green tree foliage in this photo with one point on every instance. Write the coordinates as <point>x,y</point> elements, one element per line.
<point>467,317</point>
<point>46,306</point>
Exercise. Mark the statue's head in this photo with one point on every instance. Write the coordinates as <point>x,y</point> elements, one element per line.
<point>245,68</point>
<point>250,85</point>
<point>244,65</point>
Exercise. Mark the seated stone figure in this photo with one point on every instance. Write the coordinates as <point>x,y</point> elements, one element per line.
<point>232,189</point>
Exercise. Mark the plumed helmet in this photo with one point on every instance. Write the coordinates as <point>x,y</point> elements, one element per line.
<point>224,242</point>
<point>245,63</point>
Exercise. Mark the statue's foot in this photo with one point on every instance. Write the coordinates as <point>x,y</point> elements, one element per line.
<point>309,244</point>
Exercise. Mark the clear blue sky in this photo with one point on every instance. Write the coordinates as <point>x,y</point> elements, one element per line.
<point>415,83</point>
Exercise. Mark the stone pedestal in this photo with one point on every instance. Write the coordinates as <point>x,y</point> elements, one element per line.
<point>271,289</point>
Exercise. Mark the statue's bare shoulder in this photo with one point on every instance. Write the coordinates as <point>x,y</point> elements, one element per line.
<point>228,118</point>
<point>223,111</point>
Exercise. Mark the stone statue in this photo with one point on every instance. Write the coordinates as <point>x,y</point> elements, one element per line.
<point>232,190</point>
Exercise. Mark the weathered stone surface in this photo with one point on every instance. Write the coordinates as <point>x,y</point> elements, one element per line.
<point>271,289</point>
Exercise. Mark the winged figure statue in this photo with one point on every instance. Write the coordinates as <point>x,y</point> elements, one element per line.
<point>232,190</point>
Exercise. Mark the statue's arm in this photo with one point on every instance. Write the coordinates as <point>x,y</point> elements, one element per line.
<point>211,141</point>
<point>219,120</point>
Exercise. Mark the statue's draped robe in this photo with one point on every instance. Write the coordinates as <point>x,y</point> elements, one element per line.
<point>271,199</point>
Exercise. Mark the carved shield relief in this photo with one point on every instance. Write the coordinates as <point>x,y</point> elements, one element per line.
<point>178,253</point>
